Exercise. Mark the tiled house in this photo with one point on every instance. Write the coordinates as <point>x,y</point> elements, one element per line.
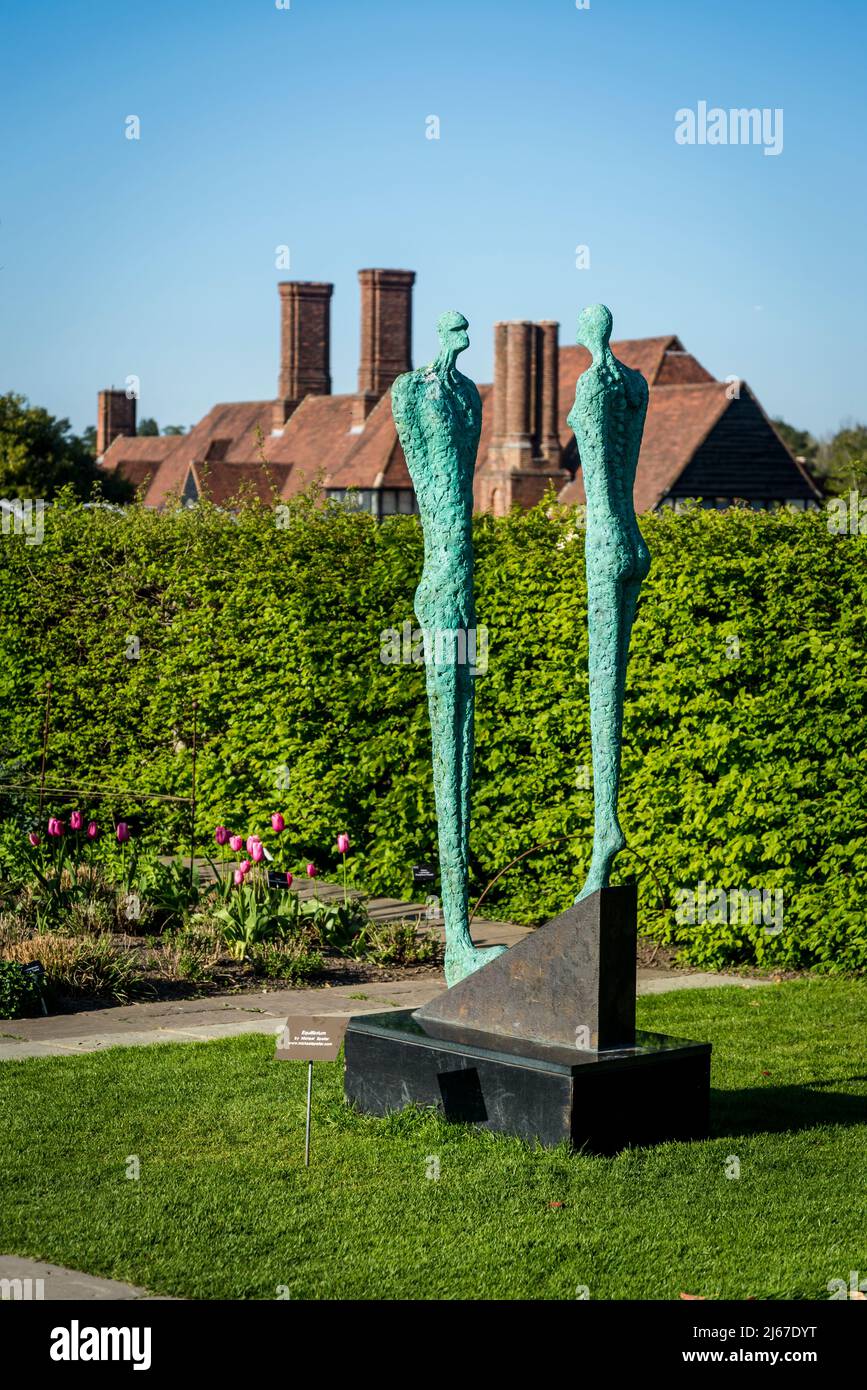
<point>703,438</point>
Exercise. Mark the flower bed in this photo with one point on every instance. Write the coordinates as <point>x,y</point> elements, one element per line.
<point>84,916</point>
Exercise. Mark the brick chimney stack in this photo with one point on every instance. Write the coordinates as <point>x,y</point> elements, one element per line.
<point>386,333</point>
<point>524,452</point>
<point>549,393</point>
<point>305,345</point>
<point>517,447</point>
<point>115,417</point>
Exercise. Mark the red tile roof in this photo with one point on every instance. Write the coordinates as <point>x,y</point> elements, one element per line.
<point>139,458</point>
<point>661,361</point>
<point>314,441</point>
<point>227,453</point>
<point>374,457</point>
<point>679,419</point>
<point>225,483</point>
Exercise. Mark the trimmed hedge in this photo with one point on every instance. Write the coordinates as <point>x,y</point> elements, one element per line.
<point>745,750</point>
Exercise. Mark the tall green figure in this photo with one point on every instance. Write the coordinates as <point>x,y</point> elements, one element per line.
<point>608,420</point>
<point>438,414</point>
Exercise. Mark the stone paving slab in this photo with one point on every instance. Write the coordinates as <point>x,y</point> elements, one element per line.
<point>64,1284</point>
<point>197,1020</point>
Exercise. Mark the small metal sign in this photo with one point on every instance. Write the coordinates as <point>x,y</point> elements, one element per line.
<point>423,876</point>
<point>310,1040</point>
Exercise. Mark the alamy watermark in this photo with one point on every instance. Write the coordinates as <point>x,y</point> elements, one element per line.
<point>18,1290</point>
<point>22,516</point>
<point>416,646</point>
<point>737,126</point>
<point>737,906</point>
<point>847,516</point>
<point>856,1288</point>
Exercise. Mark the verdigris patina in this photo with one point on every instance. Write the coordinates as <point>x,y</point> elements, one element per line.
<point>541,1043</point>
<point>438,415</point>
<point>608,420</point>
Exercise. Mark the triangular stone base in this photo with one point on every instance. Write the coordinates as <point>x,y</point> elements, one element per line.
<point>571,983</point>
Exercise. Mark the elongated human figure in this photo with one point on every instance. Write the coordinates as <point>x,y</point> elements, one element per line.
<point>438,414</point>
<point>608,420</point>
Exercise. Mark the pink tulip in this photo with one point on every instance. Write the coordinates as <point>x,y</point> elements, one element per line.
<point>122,832</point>
<point>238,878</point>
<point>244,867</point>
<point>312,871</point>
<point>221,835</point>
<point>55,826</point>
<point>92,830</point>
<point>288,880</point>
<point>251,841</point>
<point>75,820</point>
<point>278,824</point>
<point>34,839</point>
<point>343,847</point>
<point>258,852</point>
<point>235,843</point>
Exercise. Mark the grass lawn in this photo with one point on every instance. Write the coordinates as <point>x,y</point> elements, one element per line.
<point>224,1208</point>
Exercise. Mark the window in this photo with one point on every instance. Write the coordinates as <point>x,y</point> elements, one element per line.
<point>380,502</point>
<point>397,501</point>
<point>354,499</point>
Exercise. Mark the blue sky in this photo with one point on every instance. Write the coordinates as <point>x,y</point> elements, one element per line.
<point>305,127</point>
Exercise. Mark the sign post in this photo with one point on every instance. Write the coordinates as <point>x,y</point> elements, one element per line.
<point>309,1103</point>
<point>305,1039</point>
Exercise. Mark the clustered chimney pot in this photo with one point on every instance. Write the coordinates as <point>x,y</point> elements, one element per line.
<point>524,452</point>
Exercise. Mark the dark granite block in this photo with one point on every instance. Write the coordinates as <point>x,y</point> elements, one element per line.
<point>654,1091</point>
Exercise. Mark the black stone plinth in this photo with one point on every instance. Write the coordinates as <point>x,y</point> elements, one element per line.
<point>601,1102</point>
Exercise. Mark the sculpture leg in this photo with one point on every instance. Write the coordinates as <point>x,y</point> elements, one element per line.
<point>612,608</point>
<point>450,699</point>
<point>627,618</point>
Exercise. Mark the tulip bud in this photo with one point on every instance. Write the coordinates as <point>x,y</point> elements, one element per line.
<point>288,880</point>
<point>221,835</point>
<point>34,838</point>
<point>92,830</point>
<point>237,878</point>
<point>55,826</point>
<point>343,844</point>
<point>235,843</point>
<point>122,832</point>
<point>278,824</point>
<point>312,871</point>
<point>251,841</point>
<point>244,867</point>
<point>75,820</point>
<point>258,852</point>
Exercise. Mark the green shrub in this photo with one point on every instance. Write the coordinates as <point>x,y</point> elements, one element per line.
<point>75,967</point>
<point>401,943</point>
<point>170,890</point>
<point>293,960</point>
<point>738,771</point>
<point>19,992</point>
<point>190,952</point>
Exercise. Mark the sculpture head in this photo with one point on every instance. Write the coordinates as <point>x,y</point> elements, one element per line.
<point>594,328</point>
<point>452,329</point>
